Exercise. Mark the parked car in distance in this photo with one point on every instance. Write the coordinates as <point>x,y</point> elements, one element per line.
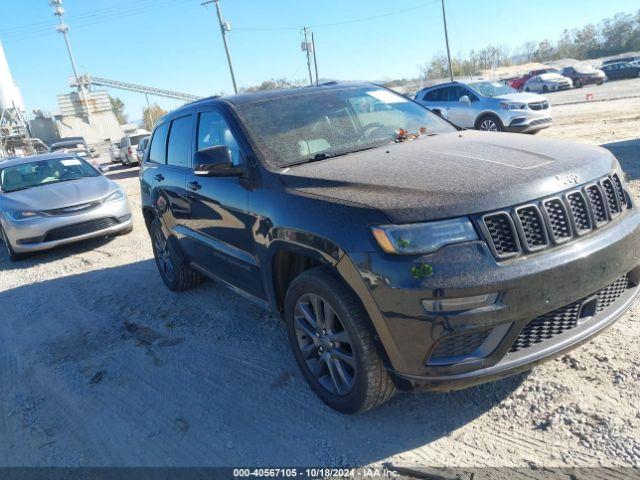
<point>114,152</point>
<point>547,82</point>
<point>582,75</point>
<point>127,145</point>
<point>142,146</point>
<point>631,59</point>
<point>78,147</point>
<point>519,82</point>
<point>485,105</point>
<point>57,198</point>
<point>399,251</point>
<point>619,71</point>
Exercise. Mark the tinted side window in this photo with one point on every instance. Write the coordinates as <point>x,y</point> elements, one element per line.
<point>179,145</point>
<point>436,95</point>
<point>213,130</point>
<point>158,148</point>
<point>456,92</point>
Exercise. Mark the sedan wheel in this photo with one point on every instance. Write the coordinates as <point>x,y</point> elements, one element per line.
<point>325,344</point>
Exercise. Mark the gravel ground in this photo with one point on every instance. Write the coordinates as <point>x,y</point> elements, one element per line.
<point>101,365</point>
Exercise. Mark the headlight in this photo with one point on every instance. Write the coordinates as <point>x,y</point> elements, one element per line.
<point>23,214</point>
<point>512,105</point>
<point>420,238</point>
<point>117,195</point>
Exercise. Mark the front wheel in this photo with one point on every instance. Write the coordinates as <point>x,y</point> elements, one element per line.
<point>332,342</point>
<point>13,256</point>
<point>489,123</point>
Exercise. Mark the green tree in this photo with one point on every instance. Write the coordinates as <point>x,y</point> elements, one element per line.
<point>151,115</point>
<point>117,106</point>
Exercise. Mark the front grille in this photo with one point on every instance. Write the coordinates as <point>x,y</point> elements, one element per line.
<point>580,211</point>
<point>74,209</point>
<point>551,221</point>
<point>78,229</point>
<point>459,345</point>
<point>558,219</point>
<point>539,105</point>
<point>531,221</point>
<point>559,321</point>
<point>597,204</point>
<point>502,234</point>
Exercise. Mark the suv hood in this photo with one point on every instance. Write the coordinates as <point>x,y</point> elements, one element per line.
<point>453,174</point>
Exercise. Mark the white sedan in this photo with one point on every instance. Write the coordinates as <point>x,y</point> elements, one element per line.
<point>547,82</point>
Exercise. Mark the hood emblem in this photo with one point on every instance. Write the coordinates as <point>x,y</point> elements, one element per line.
<point>570,179</point>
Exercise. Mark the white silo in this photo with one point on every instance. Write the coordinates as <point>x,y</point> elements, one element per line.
<point>9,93</point>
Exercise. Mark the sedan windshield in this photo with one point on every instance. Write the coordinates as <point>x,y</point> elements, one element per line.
<point>44,172</point>
<point>317,124</point>
<point>491,89</point>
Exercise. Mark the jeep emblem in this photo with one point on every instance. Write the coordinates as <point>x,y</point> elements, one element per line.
<point>570,179</point>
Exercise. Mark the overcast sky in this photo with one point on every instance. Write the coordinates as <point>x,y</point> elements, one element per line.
<point>176,44</point>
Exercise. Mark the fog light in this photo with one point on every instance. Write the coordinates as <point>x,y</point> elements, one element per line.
<point>459,304</point>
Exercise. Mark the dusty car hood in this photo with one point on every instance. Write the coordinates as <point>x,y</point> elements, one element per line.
<point>59,195</point>
<point>453,174</point>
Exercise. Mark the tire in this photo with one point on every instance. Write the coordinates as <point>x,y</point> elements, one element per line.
<point>13,256</point>
<point>356,384</point>
<point>527,89</point>
<point>577,84</point>
<point>489,123</point>
<point>545,89</point>
<point>175,273</point>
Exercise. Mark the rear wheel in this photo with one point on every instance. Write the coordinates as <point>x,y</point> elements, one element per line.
<point>489,123</point>
<point>175,273</point>
<point>332,342</point>
<point>577,84</point>
<point>545,89</point>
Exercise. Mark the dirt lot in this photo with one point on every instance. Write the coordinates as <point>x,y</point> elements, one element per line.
<point>101,365</point>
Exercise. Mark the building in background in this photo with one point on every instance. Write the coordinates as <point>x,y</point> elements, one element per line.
<point>94,119</point>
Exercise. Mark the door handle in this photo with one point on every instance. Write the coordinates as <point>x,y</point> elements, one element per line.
<point>194,185</point>
<point>159,177</point>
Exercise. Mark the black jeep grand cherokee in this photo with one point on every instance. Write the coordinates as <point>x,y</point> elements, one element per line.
<point>399,250</point>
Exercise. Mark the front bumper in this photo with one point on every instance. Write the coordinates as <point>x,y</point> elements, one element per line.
<point>43,233</point>
<point>527,288</point>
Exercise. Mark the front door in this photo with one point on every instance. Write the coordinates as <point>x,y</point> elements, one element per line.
<point>220,228</point>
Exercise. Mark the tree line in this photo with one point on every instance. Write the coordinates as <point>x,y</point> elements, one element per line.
<point>612,36</point>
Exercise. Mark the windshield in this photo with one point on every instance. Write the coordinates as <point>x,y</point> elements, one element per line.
<point>312,125</point>
<point>490,89</point>
<point>136,140</point>
<point>44,172</point>
<point>67,145</point>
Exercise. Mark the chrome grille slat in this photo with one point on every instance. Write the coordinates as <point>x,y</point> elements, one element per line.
<point>550,221</point>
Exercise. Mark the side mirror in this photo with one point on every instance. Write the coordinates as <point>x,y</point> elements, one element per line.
<point>93,150</point>
<point>441,113</point>
<point>465,99</point>
<point>215,162</point>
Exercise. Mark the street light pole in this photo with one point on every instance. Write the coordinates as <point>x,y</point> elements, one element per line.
<point>224,28</point>
<point>446,38</point>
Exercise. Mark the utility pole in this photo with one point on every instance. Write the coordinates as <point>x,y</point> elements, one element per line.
<point>306,46</point>
<point>446,38</point>
<point>224,28</point>
<point>150,113</point>
<point>58,11</point>
<point>315,60</point>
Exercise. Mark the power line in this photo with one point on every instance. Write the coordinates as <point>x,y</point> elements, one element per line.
<point>89,20</point>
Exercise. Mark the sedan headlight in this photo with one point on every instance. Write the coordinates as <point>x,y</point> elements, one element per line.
<point>513,105</point>
<point>420,238</point>
<point>117,195</point>
<point>23,214</point>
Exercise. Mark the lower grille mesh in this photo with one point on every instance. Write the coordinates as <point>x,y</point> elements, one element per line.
<point>459,345</point>
<point>78,229</point>
<point>559,321</point>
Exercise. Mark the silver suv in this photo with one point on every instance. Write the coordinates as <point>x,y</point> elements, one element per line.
<point>485,105</point>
